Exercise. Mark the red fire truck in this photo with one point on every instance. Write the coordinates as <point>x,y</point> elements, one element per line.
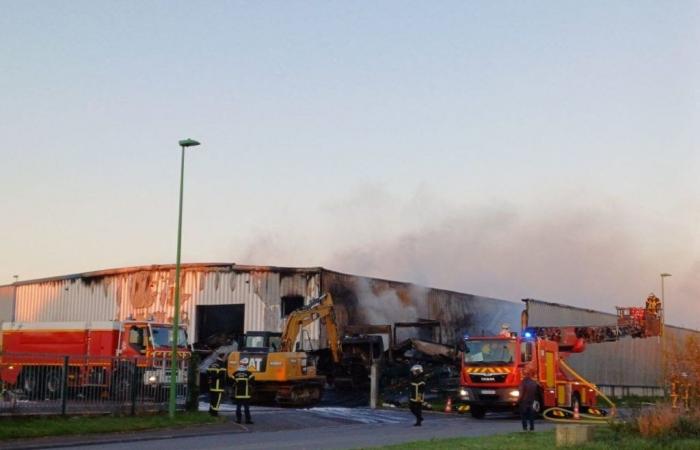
<point>35,356</point>
<point>492,367</point>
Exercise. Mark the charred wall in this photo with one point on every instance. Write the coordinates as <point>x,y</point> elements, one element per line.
<point>371,301</point>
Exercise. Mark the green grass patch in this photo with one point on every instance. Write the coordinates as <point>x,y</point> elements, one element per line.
<point>29,427</point>
<point>605,439</point>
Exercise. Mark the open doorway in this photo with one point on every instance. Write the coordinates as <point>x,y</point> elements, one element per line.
<point>219,325</point>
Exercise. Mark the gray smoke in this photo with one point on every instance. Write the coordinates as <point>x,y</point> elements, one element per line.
<point>595,255</point>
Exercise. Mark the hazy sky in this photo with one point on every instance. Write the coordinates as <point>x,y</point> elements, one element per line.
<point>510,149</point>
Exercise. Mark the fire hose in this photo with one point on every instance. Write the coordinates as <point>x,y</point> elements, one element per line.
<point>563,415</point>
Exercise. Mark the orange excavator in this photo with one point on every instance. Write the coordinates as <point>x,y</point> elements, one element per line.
<point>283,373</point>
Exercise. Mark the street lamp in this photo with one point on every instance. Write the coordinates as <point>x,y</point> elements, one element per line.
<point>176,308</point>
<point>663,303</point>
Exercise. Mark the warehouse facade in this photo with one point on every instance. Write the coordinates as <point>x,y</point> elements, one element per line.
<point>221,301</point>
<point>230,299</point>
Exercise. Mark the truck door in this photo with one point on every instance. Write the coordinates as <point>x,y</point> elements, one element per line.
<point>137,339</point>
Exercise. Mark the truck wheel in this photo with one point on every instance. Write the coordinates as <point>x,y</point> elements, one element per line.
<point>120,388</point>
<point>478,412</point>
<point>53,384</point>
<point>30,382</point>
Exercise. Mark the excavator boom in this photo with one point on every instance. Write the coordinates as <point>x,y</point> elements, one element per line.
<point>318,309</point>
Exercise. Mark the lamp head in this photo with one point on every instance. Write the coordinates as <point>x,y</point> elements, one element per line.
<point>188,143</point>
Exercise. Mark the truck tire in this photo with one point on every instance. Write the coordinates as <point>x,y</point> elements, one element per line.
<point>53,383</point>
<point>30,382</point>
<point>120,387</point>
<point>478,412</point>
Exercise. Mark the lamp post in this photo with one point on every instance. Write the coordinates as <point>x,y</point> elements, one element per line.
<point>663,303</point>
<point>176,308</point>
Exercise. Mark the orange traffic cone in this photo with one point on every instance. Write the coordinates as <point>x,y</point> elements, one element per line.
<point>448,405</point>
<point>577,416</point>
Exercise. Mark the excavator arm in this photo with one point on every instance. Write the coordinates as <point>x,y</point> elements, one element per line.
<point>322,309</point>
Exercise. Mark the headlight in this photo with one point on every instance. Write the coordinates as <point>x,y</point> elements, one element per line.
<point>152,379</point>
<point>464,393</point>
<point>514,393</point>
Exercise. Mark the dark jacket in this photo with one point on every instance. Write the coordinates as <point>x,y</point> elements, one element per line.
<point>242,380</point>
<point>528,392</point>
<point>216,376</point>
<point>417,389</point>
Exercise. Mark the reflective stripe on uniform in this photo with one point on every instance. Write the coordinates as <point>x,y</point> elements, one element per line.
<point>416,395</point>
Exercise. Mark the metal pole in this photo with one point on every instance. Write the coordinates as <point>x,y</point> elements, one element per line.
<point>176,308</point>
<point>64,386</point>
<point>663,308</point>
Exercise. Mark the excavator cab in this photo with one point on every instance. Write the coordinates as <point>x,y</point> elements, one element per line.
<point>261,342</point>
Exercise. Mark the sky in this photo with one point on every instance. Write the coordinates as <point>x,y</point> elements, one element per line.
<point>509,149</point>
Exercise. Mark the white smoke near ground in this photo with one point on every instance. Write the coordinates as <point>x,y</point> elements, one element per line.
<point>386,307</point>
<point>593,254</point>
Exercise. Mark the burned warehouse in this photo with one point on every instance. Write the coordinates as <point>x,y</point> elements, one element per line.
<point>221,302</point>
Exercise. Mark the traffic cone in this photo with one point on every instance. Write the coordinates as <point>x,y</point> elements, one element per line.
<point>577,416</point>
<point>448,406</point>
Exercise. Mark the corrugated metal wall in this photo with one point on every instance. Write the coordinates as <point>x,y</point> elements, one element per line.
<point>628,362</point>
<point>7,303</point>
<point>148,292</point>
<point>361,300</point>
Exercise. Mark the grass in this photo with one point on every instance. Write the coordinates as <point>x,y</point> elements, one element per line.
<point>29,427</point>
<point>605,439</point>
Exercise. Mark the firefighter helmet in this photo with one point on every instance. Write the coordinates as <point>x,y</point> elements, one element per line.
<point>417,369</point>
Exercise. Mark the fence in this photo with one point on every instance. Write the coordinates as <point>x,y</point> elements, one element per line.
<point>33,383</point>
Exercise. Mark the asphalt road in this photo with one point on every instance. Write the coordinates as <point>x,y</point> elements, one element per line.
<point>316,428</point>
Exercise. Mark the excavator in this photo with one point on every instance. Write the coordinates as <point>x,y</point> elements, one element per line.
<point>285,374</point>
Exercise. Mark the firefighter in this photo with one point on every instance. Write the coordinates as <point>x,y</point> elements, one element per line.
<point>216,376</point>
<point>505,330</point>
<point>528,396</point>
<point>417,393</point>
<point>243,380</point>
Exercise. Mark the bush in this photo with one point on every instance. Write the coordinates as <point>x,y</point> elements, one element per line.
<point>657,422</point>
<point>664,421</point>
<point>688,426</point>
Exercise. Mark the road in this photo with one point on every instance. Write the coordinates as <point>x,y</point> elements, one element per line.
<point>315,428</point>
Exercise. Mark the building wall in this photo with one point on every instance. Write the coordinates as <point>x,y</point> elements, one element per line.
<point>148,292</point>
<point>370,301</point>
<point>628,362</point>
<point>7,303</point>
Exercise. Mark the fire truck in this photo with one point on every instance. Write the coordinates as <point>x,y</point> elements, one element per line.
<point>110,356</point>
<point>492,367</point>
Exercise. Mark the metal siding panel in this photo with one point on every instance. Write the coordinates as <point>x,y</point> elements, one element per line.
<point>7,303</point>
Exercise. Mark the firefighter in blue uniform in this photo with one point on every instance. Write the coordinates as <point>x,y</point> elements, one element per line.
<point>243,380</point>
<point>417,393</point>
<point>216,376</point>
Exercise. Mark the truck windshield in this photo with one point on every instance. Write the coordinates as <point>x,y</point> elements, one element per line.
<point>489,351</point>
<point>163,337</point>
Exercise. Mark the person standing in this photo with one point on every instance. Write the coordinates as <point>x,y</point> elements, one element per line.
<point>528,396</point>
<point>216,377</point>
<point>417,393</point>
<point>243,379</point>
